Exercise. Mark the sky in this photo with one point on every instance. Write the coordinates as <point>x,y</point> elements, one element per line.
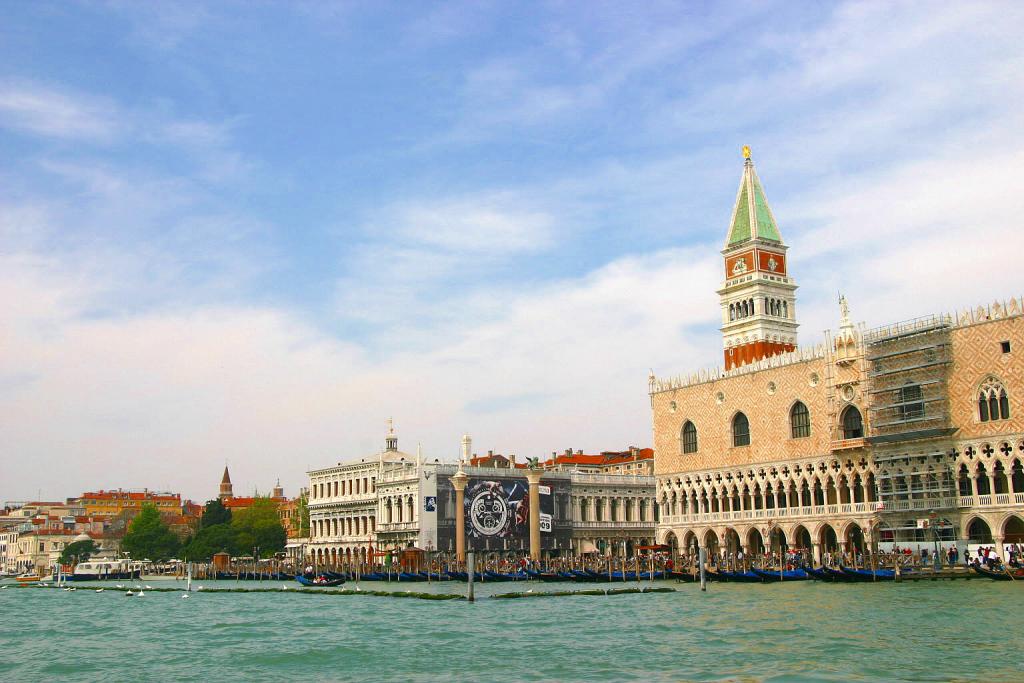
<point>250,233</point>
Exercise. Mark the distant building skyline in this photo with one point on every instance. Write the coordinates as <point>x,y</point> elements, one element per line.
<point>250,240</point>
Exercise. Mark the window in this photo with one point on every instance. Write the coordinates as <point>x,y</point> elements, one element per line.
<point>853,425</point>
<point>740,430</point>
<point>799,421</point>
<point>1005,346</point>
<point>689,437</point>
<point>993,403</point>
<point>911,405</point>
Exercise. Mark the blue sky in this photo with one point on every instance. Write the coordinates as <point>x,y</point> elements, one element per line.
<point>253,231</point>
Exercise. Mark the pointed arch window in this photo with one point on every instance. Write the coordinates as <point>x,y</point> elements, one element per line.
<point>688,437</point>
<point>853,423</point>
<point>993,402</point>
<point>740,430</point>
<point>799,421</point>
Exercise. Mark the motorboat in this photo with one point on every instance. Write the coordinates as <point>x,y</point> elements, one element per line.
<point>102,570</point>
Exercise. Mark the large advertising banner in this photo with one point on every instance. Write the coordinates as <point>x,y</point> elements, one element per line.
<point>500,509</point>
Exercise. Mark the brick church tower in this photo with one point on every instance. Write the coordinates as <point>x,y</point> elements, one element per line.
<point>226,492</point>
<point>758,301</point>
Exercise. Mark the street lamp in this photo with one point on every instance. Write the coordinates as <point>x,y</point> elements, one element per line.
<point>937,563</point>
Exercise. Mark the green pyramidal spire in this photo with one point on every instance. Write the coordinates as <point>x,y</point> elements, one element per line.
<point>751,216</point>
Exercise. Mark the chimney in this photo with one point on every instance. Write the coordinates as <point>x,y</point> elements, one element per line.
<point>579,452</point>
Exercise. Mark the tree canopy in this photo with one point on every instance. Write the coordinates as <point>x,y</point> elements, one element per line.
<point>209,541</point>
<point>259,527</point>
<point>148,537</point>
<point>303,508</point>
<point>79,551</point>
<point>214,513</point>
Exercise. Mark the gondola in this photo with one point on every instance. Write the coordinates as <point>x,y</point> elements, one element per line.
<point>326,583</point>
<point>837,575</point>
<point>410,576</point>
<point>866,575</point>
<point>821,575</point>
<point>685,577</point>
<point>434,576</point>
<point>740,577</point>
<point>544,576</point>
<point>1017,575</point>
<point>770,576</point>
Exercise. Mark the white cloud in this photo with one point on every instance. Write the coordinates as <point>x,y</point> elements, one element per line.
<point>489,224</point>
<point>50,112</point>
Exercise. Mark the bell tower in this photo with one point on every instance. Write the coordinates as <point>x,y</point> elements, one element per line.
<point>225,486</point>
<point>757,296</point>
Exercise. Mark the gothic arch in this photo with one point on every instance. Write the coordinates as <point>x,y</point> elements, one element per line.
<point>688,437</point>
<point>799,420</point>
<point>978,529</point>
<point>1012,529</point>
<point>993,400</point>
<point>740,429</point>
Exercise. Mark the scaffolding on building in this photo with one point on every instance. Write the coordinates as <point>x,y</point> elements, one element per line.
<point>910,429</point>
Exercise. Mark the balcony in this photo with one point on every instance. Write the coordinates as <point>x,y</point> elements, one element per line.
<point>397,526</point>
<point>615,479</point>
<point>996,500</point>
<point>774,514</point>
<point>613,525</point>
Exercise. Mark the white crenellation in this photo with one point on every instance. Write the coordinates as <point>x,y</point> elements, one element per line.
<point>998,310</point>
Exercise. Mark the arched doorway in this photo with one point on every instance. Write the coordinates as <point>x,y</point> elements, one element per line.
<point>1013,530</point>
<point>689,541</point>
<point>732,543</point>
<point>755,543</point>
<point>978,531</point>
<point>673,545</point>
<point>854,538</point>
<point>777,541</point>
<point>801,538</point>
<point>711,543</point>
<point>827,538</point>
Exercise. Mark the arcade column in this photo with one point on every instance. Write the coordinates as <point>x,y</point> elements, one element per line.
<point>533,477</point>
<point>459,480</point>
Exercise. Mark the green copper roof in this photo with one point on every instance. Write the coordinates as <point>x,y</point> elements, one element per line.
<point>740,231</point>
<point>750,222</point>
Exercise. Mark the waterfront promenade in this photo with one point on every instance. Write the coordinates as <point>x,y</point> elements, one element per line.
<point>802,631</point>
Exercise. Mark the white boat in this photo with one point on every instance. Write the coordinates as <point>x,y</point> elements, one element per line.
<point>103,570</point>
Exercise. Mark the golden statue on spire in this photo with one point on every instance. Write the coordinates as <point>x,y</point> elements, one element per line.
<point>746,152</point>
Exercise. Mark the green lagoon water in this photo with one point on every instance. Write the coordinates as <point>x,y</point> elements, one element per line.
<point>941,631</point>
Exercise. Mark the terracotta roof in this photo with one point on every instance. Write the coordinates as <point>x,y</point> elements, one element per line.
<point>130,495</point>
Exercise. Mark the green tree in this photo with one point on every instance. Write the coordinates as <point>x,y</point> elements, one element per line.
<point>210,541</point>
<point>303,506</point>
<point>148,537</point>
<point>259,526</point>
<point>79,551</point>
<point>215,513</point>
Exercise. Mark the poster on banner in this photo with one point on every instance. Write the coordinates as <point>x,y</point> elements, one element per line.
<point>500,509</point>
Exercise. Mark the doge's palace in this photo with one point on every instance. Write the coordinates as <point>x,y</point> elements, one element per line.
<point>908,434</point>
